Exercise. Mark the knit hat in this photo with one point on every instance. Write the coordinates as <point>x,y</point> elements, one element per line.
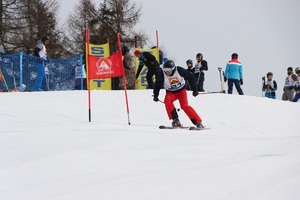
<point>234,55</point>
<point>44,38</point>
<point>137,52</point>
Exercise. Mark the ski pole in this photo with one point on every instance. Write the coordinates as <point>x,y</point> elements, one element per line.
<point>221,82</point>
<point>1,74</point>
<point>178,109</point>
<point>263,83</point>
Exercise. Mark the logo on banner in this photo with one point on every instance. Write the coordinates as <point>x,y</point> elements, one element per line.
<point>104,66</point>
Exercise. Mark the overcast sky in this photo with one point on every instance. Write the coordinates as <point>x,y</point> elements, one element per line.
<point>265,34</point>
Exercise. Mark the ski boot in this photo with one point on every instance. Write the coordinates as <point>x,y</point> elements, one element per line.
<point>200,126</point>
<point>176,123</point>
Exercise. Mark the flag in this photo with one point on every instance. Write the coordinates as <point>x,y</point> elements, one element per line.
<point>109,67</point>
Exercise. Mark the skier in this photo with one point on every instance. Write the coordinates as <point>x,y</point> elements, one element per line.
<point>40,52</point>
<point>190,68</point>
<point>296,86</point>
<point>288,89</point>
<point>172,78</point>
<point>199,69</point>
<point>151,63</point>
<point>234,74</point>
<point>270,86</point>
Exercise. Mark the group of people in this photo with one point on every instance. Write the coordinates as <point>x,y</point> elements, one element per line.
<point>176,80</point>
<point>291,89</point>
<point>233,73</point>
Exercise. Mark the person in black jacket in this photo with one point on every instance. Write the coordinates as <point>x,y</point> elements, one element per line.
<point>189,64</point>
<point>199,69</point>
<point>151,63</point>
<point>172,78</point>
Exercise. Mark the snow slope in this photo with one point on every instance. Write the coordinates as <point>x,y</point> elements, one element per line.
<point>49,150</point>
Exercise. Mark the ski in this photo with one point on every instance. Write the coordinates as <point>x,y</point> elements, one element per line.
<point>171,127</point>
<point>191,128</point>
<point>198,129</point>
<point>212,92</point>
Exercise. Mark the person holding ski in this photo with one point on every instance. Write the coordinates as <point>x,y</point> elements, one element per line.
<point>234,74</point>
<point>200,67</point>
<point>172,78</point>
<point>151,63</point>
<point>288,89</point>
<point>270,86</point>
<point>40,52</point>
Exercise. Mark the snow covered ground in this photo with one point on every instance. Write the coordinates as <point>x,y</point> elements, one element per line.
<point>49,150</point>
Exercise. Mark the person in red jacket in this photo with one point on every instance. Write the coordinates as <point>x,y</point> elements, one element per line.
<point>172,78</point>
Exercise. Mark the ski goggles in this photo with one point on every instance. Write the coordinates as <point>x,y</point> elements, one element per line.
<point>168,69</point>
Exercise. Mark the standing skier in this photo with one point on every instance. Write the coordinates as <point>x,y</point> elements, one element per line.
<point>296,86</point>
<point>288,89</point>
<point>172,78</point>
<point>189,64</point>
<point>199,69</point>
<point>234,74</point>
<point>270,86</point>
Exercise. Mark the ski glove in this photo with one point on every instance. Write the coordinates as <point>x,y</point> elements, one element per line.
<point>155,99</point>
<point>225,79</point>
<point>241,82</point>
<point>195,94</point>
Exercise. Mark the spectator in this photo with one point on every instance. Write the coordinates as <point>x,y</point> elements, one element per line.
<point>199,69</point>
<point>172,78</point>
<point>116,80</point>
<point>190,68</point>
<point>296,78</point>
<point>270,86</point>
<point>149,60</point>
<point>40,52</point>
<point>162,58</point>
<point>288,89</point>
<point>234,74</point>
<point>129,72</point>
<point>79,73</point>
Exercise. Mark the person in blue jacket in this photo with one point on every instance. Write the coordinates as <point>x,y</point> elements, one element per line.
<point>40,52</point>
<point>270,86</point>
<point>234,74</point>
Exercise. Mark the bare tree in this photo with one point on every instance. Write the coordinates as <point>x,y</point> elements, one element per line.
<point>26,21</point>
<point>74,29</point>
<point>112,17</point>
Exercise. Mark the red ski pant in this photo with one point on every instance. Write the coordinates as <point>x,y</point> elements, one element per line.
<point>183,101</point>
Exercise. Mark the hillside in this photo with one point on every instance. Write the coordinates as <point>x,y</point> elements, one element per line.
<point>49,150</point>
